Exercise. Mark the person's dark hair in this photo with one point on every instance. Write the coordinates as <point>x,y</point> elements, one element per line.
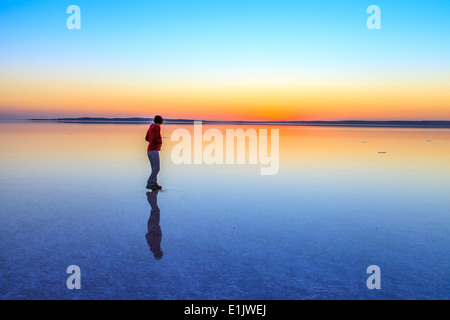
<point>158,120</point>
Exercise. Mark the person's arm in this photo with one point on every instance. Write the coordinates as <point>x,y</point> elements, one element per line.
<point>157,135</point>
<point>146,136</point>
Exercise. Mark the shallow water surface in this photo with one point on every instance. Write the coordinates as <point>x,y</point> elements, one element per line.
<point>343,199</point>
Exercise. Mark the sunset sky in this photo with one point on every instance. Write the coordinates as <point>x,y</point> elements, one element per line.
<point>226,59</point>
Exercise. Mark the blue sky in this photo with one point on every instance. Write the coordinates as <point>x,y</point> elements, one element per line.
<point>215,40</point>
<point>189,34</point>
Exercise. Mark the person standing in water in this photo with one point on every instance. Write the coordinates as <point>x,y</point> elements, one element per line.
<point>154,139</point>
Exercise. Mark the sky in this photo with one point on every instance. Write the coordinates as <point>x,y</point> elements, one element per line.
<point>226,59</point>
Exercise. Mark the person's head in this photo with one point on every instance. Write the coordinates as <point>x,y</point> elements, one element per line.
<point>158,120</point>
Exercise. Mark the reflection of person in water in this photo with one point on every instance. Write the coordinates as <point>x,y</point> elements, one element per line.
<point>154,234</point>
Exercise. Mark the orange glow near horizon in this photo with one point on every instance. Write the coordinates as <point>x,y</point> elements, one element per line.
<point>308,147</point>
<point>225,61</point>
<point>53,96</point>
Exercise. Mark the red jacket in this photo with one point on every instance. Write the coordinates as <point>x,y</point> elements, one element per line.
<point>154,138</point>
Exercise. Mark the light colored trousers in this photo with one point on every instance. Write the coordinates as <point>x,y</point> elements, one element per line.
<point>153,157</point>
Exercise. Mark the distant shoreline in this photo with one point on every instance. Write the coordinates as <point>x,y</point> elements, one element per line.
<point>344,123</point>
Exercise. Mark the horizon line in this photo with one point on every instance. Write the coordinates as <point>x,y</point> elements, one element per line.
<point>169,121</point>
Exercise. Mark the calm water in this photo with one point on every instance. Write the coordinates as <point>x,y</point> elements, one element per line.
<point>344,199</point>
